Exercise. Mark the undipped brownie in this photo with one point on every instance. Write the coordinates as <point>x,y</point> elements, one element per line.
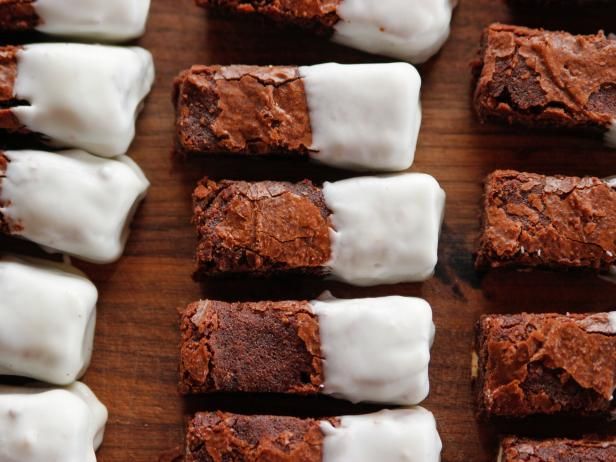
<point>558,222</point>
<point>304,347</point>
<point>539,78</point>
<point>549,364</point>
<point>591,449</point>
<point>18,15</point>
<point>8,74</point>
<point>404,434</point>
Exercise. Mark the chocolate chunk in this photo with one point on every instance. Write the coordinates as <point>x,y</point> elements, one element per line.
<point>545,364</point>
<point>538,78</point>
<point>260,228</point>
<point>273,118</point>
<point>281,340</point>
<point>557,222</point>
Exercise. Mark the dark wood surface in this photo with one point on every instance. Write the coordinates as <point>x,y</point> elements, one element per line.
<point>135,359</point>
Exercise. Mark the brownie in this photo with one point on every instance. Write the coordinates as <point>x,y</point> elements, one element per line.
<point>538,78</point>
<point>514,449</point>
<point>242,110</point>
<point>556,222</point>
<point>18,15</point>
<point>260,228</point>
<point>250,347</point>
<point>549,364</point>
<point>8,74</point>
<point>237,438</point>
<point>4,223</point>
<point>316,15</point>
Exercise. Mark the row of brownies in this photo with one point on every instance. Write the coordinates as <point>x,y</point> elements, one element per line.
<point>364,231</point>
<point>549,364</point>
<point>77,202</point>
<point>373,230</point>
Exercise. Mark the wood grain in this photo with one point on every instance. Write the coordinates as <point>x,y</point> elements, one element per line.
<point>134,370</point>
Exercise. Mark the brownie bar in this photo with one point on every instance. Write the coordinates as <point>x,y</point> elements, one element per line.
<point>557,222</point>
<point>18,15</point>
<point>237,438</point>
<point>280,338</point>
<point>514,449</point>
<point>273,119</point>
<point>260,228</point>
<point>538,78</point>
<point>8,74</point>
<point>545,364</point>
<point>316,15</point>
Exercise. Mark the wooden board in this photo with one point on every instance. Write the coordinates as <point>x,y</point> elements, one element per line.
<point>135,359</point>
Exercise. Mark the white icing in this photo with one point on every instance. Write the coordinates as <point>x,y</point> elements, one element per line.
<point>610,135</point>
<point>51,425</point>
<point>48,314</point>
<point>72,201</point>
<point>386,228</point>
<point>412,30</point>
<point>499,457</point>
<point>612,320</point>
<point>109,20</point>
<point>376,349</point>
<point>402,435</point>
<point>83,96</point>
<point>363,116</point>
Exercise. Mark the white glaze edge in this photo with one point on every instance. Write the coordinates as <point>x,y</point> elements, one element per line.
<point>610,135</point>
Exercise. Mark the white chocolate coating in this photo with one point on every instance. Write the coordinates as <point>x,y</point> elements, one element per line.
<point>610,135</point>
<point>51,425</point>
<point>108,20</point>
<point>72,202</point>
<point>386,229</point>
<point>363,116</point>
<point>83,96</point>
<point>376,349</point>
<point>48,313</point>
<point>402,435</point>
<point>411,30</point>
<point>612,320</point>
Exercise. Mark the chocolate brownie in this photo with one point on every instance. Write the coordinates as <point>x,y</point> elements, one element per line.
<point>514,449</point>
<point>18,15</point>
<point>316,15</point>
<point>236,438</point>
<point>273,119</point>
<point>557,222</point>
<point>4,224</point>
<point>8,74</point>
<point>260,228</point>
<point>545,364</point>
<point>250,347</point>
<point>538,78</point>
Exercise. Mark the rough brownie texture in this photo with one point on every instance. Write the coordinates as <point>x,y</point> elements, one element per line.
<point>269,347</point>
<point>557,222</point>
<point>18,15</point>
<point>546,79</point>
<point>260,228</point>
<point>558,450</point>
<point>242,109</point>
<point>316,15</point>
<point>213,437</point>
<point>545,364</point>
<point>8,74</point>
